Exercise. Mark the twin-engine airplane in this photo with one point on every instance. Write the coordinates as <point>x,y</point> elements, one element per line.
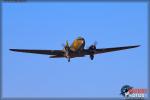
<point>75,50</point>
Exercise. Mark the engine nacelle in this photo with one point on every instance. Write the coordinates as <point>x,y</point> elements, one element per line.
<point>92,49</point>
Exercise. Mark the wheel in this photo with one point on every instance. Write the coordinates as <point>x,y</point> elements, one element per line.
<point>68,59</point>
<point>92,57</point>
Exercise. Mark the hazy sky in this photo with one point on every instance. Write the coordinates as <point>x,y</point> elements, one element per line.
<point>49,25</point>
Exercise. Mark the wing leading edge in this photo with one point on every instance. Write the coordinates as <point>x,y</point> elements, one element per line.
<point>46,52</point>
<point>105,50</point>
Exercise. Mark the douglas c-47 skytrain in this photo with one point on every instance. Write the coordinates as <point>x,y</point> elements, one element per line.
<point>76,49</point>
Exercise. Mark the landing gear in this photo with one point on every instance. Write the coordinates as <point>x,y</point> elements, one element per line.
<point>68,59</point>
<point>92,57</point>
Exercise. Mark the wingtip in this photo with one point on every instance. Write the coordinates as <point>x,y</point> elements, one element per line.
<point>137,45</point>
<point>12,49</point>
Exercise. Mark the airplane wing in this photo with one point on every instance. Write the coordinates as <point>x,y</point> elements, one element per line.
<point>105,50</point>
<point>46,52</point>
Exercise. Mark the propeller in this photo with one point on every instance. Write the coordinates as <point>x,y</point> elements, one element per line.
<point>67,50</point>
<point>65,45</point>
<point>93,46</point>
<point>92,49</point>
<point>95,43</point>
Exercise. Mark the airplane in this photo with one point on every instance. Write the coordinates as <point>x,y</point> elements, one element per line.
<point>76,49</point>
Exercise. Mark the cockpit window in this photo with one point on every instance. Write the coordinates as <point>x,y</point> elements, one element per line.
<point>80,38</point>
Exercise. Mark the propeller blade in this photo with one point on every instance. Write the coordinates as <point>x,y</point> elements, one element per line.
<point>63,45</point>
<point>67,44</point>
<point>95,43</point>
